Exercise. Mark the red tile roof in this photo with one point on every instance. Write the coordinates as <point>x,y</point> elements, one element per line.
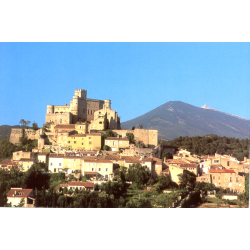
<point>83,184</point>
<point>117,139</point>
<point>56,156</point>
<point>94,134</point>
<point>26,159</point>
<point>20,193</point>
<point>97,161</point>
<point>223,171</point>
<point>148,159</point>
<point>188,165</point>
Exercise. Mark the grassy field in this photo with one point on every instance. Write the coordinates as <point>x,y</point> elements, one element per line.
<point>213,202</point>
<point>162,200</point>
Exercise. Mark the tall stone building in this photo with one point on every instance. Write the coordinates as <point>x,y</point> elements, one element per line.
<point>80,108</point>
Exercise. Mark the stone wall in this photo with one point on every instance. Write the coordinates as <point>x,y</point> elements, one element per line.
<point>134,151</point>
<point>92,106</point>
<point>64,118</point>
<point>16,134</point>
<point>148,136</point>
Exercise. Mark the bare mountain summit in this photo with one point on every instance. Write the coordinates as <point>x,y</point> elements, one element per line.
<point>175,118</point>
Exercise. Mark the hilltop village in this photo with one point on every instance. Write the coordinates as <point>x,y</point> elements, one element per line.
<point>85,159</point>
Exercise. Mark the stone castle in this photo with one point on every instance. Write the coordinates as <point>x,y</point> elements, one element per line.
<point>81,116</point>
<point>81,109</point>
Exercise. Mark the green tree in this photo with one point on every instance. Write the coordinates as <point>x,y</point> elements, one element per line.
<point>106,147</point>
<point>24,123</point>
<point>130,137</point>
<point>142,203</point>
<point>187,180</point>
<point>3,196</point>
<point>35,126</point>
<point>137,174</point>
<point>140,126</point>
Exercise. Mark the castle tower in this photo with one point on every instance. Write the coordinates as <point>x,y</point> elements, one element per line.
<point>81,93</point>
<point>50,109</point>
<point>82,103</point>
<point>107,104</point>
<point>74,109</point>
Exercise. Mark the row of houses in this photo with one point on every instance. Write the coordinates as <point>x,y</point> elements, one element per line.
<point>223,171</point>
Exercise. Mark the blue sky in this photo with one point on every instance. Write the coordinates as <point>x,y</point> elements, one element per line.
<point>137,77</point>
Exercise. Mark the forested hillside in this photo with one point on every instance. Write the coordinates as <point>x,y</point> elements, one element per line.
<point>210,144</point>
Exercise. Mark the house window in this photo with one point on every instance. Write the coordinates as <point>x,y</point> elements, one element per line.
<point>68,141</point>
<point>107,169</point>
<point>99,169</point>
<point>93,169</point>
<point>100,122</point>
<point>82,144</point>
<point>213,177</point>
<point>113,142</point>
<point>218,177</point>
<point>88,164</point>
<point>237,179</point>
<point>69,160</point>
<point>230,179</point>
<point>60,164</point>
<point>74,142</point>
<point>216,161</point>
<point>51,164</point>
<point>54,170</point>
<point>228,163</point>
<point>90,142</point>
<point>93,164</point>
<point>107,142</point>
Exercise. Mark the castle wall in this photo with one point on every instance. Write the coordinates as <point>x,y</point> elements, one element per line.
<point>147,136</point>
<point>16,134</point>
<point>92,106</point>
<point>59,118</point>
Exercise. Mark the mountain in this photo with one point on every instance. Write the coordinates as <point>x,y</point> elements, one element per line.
<point>5,131</point>
<point>175,118</point>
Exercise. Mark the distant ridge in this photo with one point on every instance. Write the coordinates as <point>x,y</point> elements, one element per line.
<point>176,118</point>
<point>206,107</point>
